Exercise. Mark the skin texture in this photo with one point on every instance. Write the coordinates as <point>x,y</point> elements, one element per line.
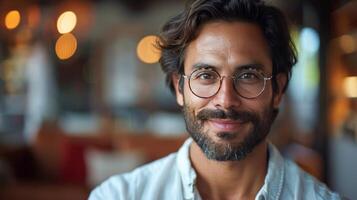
<point>227,46</point>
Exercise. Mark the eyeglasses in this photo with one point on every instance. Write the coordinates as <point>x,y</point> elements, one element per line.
<point>205,83</point>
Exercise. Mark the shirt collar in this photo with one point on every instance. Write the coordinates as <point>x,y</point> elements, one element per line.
<point>273,182</point>
<point>187,173</point>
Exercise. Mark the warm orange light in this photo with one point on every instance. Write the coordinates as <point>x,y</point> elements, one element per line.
<point>66,46</point>
<point>12,19</point>
<point>146,50</point>
<point>347,43</point>
<point>350,86</point>
<point>66,22</point>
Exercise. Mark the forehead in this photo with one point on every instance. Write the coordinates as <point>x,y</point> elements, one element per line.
<point>228,45</point>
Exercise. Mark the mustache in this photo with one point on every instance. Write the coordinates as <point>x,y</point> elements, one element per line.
<point>244,116</point>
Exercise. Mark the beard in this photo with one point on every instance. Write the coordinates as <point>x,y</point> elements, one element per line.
<point>226,151</point>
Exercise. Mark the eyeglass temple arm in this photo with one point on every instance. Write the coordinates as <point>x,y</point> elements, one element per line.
<point>268,78</point>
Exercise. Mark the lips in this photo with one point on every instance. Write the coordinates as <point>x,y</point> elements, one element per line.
<point>225,124</point>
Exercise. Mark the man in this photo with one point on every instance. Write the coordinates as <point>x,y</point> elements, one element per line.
<point>229,63</point>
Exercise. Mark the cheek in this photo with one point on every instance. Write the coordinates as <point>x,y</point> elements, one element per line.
<point>193,101</point>
<point>259,104</point>
<point>267,96</point>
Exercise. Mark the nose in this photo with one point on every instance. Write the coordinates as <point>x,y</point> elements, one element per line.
<point>226,97</point>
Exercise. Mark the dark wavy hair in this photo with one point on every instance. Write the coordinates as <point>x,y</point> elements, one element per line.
<point>180,30</point>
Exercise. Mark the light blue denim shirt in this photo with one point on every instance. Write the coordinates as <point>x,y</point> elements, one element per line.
<point>173,178</point>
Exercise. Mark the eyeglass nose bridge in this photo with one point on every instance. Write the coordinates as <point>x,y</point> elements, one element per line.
<point>233,85</point>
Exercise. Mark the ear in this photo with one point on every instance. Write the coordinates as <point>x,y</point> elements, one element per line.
<point>178,91</point>
<point>281,81</point>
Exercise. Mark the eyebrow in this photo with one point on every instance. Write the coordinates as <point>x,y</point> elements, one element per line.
<point>202,65</point>
<point>250,66</point>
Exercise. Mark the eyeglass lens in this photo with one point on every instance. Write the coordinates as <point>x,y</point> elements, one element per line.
<point>206,83</point>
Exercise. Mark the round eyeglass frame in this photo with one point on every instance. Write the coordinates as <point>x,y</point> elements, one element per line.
<point>220,85</point>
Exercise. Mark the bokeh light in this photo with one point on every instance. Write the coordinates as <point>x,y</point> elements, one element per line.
<point>66,46</point>
<point>347,44</point>
<point>66,22</point>
<point>350,86</point>
<point>146,50</point>
<point>310,40</point>
<point>12,19</point>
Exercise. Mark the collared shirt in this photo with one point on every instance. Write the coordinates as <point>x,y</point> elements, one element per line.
<point>173,178</point>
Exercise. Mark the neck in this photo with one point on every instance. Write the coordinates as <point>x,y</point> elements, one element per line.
<point>230,179</point>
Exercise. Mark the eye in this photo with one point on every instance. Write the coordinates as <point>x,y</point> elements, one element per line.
<point>206,76</point>
<point>248,76</point>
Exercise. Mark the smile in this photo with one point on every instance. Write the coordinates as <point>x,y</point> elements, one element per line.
<point>226,125</point>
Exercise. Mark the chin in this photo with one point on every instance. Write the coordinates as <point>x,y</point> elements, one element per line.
<point>232,136</point>
<point>228,146</point>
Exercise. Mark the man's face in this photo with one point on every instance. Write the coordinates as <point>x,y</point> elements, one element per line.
<point>227,126</point>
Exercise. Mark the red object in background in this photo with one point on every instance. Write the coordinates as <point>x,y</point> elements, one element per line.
<point>73,168</point>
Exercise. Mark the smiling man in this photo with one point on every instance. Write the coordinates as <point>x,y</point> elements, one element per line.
<point>228,62</point>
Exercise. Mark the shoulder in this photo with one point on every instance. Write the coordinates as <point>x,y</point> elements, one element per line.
<point>124,186</point>
<point>299,183</point>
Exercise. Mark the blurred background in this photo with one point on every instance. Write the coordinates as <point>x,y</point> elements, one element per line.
<point>82,95</point>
